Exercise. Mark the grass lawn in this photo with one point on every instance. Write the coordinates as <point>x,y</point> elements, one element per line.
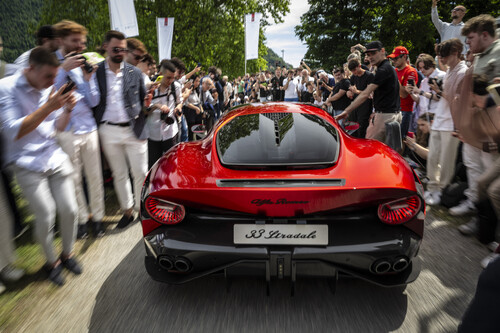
<point>16,298</point>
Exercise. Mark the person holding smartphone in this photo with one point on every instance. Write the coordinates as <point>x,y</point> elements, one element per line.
<point>32,110</point>
<point>80,139</point>
<point>407,76</point>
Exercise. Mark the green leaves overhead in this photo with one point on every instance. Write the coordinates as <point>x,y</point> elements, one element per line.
<point>207,31</point>
<point>330,28</point>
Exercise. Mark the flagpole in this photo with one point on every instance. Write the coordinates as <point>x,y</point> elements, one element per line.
<point>110,16</point>
<point>245,20</point>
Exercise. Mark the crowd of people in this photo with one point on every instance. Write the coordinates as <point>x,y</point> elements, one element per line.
<point>60,115</point>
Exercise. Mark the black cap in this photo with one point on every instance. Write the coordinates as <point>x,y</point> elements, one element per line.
<point>374,46</point>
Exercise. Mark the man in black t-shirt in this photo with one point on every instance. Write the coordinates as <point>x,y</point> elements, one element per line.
<point>338,98</point>
<point>277,86</point>
<point>360,79</point>
<point>385,89</point>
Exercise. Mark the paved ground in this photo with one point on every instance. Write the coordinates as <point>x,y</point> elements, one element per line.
<point>115,294</point>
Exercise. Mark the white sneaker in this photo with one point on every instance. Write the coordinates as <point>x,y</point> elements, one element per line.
<point>2,288</point>
<point>11,274</point>
<point>489,258</point>
<point>463,208</point>
<point>492,246</point>
<point>433,198</point>
<point>470,228</point>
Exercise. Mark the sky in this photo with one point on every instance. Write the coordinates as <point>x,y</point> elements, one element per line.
<point>282,36</point>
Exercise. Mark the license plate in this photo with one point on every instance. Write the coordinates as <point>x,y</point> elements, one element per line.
<point>281,234</point>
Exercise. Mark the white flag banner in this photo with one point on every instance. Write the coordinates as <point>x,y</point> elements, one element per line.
<point>123,18</point>
<point>252,24</point>
<point>165,28</point>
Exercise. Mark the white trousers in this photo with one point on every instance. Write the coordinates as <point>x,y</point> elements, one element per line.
<point>443,149</point>
<point>123,151</point>
<point>476,162</point>
<point>85,155</point>
<point>6,236</point>
<point>48,193</point>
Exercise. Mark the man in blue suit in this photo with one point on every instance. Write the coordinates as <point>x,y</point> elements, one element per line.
<point>121,120</point>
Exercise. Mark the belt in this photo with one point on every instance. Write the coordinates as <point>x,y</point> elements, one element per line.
<point>126,124</point>
<point>387,112</point>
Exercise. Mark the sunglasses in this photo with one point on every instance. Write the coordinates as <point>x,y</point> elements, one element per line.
<point>118,49</point>
<point>457,10</point>
<point>370,53</point>
<point>138,57</point>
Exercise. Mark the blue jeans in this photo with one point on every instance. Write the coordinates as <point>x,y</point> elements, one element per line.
<point>406,122</point>
<point>336,113</point>
<point>291,99</point>
<point>184,129</point>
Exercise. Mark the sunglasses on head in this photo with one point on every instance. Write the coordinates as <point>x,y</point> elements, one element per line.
<point>118,49</point>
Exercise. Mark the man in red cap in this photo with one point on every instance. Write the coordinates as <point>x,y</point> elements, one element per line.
<point>407,75</point>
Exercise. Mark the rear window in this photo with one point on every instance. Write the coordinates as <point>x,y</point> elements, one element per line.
<point>277,140</point>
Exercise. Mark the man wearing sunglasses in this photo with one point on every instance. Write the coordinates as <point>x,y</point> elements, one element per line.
<point>121,122</point>
<point>449,30</point>
<point>136,51</point>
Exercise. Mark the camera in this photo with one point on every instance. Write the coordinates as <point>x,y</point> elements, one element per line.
<point>168,120</point>
<point>411,82</point>
<point>86,65</point>
<point>438,82</point>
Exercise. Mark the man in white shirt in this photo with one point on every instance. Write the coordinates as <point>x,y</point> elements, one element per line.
<point>31,112</point>
<point>290,86</point>
<point>121,121</point>
<point>449,30</point>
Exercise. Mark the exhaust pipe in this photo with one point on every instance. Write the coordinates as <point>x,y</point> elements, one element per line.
<point>166,263</point>
<point>381,266</point>
<point>400,264</point>
<point>182,264</point>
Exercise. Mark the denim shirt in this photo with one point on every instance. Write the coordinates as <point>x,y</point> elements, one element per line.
<point>38,150</point>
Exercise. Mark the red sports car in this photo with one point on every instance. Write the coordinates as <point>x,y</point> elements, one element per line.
<point>282,191</point>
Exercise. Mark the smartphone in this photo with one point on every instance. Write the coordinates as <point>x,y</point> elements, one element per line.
<point>159,78</point>
<point>410,135</point>
<point>411,82</point>
<point>69,87</point>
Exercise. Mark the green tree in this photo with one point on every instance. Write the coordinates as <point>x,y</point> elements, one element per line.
<point>331,28</point>
<point>18,21</point>
<point>272,59</point>
<point>207,31</point>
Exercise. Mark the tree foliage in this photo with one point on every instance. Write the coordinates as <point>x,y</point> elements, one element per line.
<point>331,28</point>
<point>274,59</point>
<point>18,21</point>
<point>207,31</point>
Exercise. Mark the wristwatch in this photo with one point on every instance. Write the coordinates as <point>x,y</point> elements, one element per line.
<point>421,93</point>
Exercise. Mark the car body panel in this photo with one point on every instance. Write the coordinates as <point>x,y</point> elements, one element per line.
<point>342,192</point>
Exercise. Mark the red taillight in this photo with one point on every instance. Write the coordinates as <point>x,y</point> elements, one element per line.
<point>164,212</point>
<point>399,211</point>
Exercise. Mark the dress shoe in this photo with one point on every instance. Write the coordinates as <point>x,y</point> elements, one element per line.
<point>54,274</point>
<point>98,228</point>
<point>72,265</point>
<point>125,221</point>
<point>82,232</point>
